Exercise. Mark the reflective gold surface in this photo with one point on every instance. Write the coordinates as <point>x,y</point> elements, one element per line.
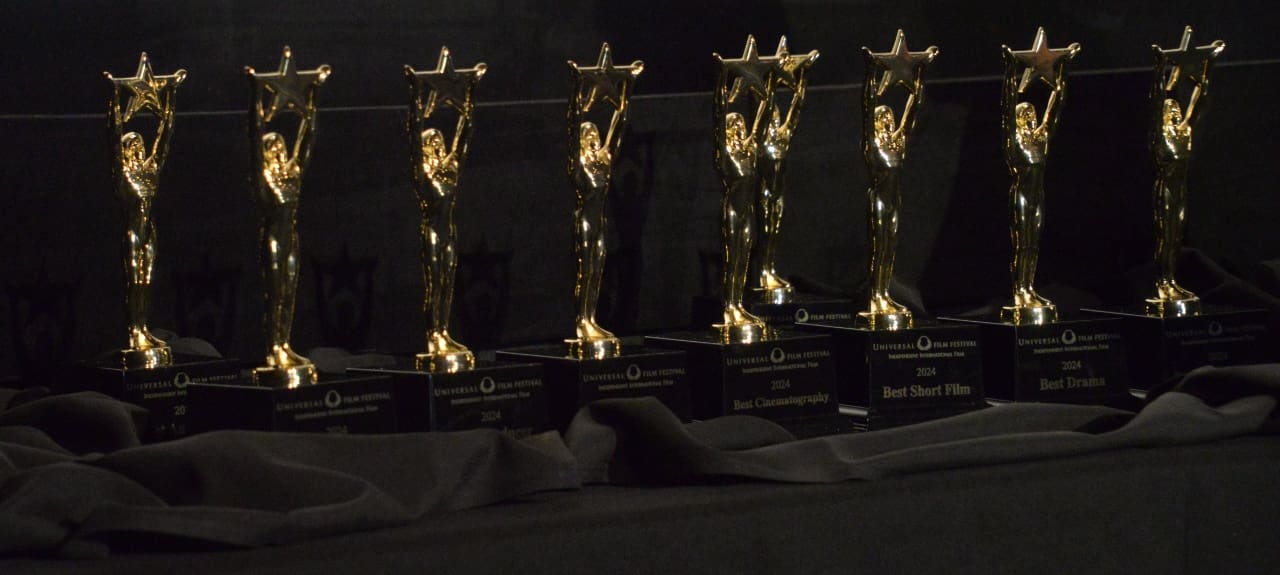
<point>277,180</point>
<point>1026,149</point>
<point>884,148</point>
<point>437,160</point>
<point>591,156</point>
<point>1171,126</point>
<point>737,146</point>
<point>791,74</point>
<point>136,169</point>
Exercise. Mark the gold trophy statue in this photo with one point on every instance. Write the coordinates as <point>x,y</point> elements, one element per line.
<point>737,146</point>
<point>277,181</point>
<point>137,174</point>
<point>436,165</point>
<point>1171,126</point>
<point>591,156</point>
<point>774,148</point>
<point>1026,148</point>
<point>884,148</point>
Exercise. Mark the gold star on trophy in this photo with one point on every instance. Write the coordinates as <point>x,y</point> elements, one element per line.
<point>146,88</point>
<point>750,70</point>
<point>901,66</point>
<point>1189,62</point>
<point>448,86</point>
<point>603,80</point>
<point>1041,60</point>
<point>291,90</point>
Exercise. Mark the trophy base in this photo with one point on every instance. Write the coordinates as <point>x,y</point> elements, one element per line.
<point>338,404</point>
<point>773,296</point>
<point>583,348</point>
<point>802,308</point>
<point>1029,315</point>
<point>285,377</point>
<point>509,397</point>
<point>1075,360</point>
<point>1156,307</point>
<point>1163,349</point>
<point>636,372</point>
<point>149,358</point>
<point>162,391</point>
<point>445,362</point>
<point>903,376</point>
<point>881,320</point>
<point>787,378</point>
<point>752,332</point>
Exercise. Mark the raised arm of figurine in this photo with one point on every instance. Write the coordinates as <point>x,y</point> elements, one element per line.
<point>1201,90</point>
<point>1009,105</point>
<point>800,67</point>
<point>719,118</point>
<point>164,130</point>
<point>1058,96</point>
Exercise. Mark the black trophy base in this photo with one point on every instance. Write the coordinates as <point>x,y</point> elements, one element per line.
<point>636,372</point>
<point>803,308</point>
<point>787,378</point>
<point>336,404</point>
<point>162,391</point>
<point>509,397</point>
<point>1074,360</point>
<point>1163,349</point>
<point>905,376</point>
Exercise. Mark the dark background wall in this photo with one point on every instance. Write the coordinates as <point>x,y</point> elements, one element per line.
<point>361,284</point>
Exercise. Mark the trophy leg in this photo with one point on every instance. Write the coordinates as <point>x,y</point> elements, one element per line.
<point>773,289</point>
<point>593,342</point>
<point>1029,309</point>
<point>1172,300</point>
<point>147,358</point>
<point>287,377</point>
<point>445,354</point>
<point>741,326</point>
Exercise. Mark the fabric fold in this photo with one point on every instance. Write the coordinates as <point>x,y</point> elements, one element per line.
<point>637,441</point>
<point>240,488</point>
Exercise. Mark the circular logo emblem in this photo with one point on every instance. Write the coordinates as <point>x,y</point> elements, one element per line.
<point>802,315</point>
<point>487,385</point>
<point>332,399</point>
<point>181,380</point>
<point>924,343</point>
<point>777,355</point>
<point>633,372</point>
<point>1215,329</point>
<point>1068,337</point>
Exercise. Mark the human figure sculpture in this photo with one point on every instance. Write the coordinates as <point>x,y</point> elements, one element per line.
<point>736,151</point>
<point>277,183</point>
<point>591,157</point>
<point>137,174</point>
<point>1171,147</point>
<point>436,169</point>
<point>774,149</point>
<point>884,150</point>
<point>1026,148</point>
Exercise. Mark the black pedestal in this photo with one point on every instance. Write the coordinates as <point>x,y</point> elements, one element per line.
<point>337,404</point>
<point>162,391</point>
<point>497,395</point>
<point>636,372</point>
<point>1161,349</point>
<point>1075,360</point>
<point>804,308</point>
<point>906,376</point>
<point>788,378</point>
